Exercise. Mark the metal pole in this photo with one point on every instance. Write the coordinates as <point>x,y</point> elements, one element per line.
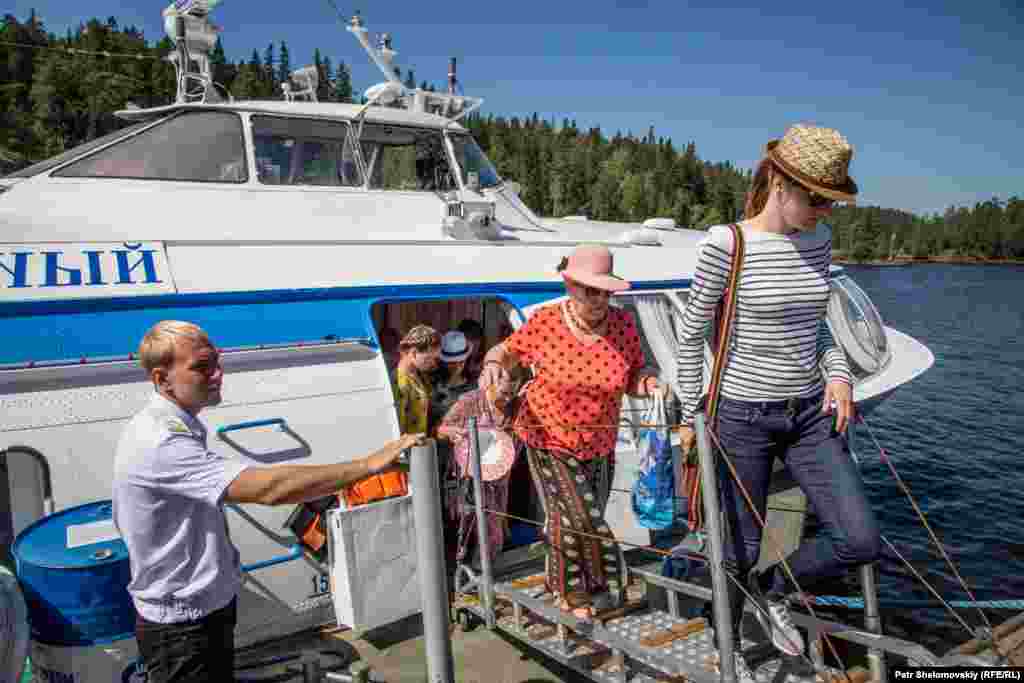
<point>719,581</point>
<point>430,565</point>
<point>873,621</point>
<point>183,57</point>
<point>483,543</point>
<point>311,667</point>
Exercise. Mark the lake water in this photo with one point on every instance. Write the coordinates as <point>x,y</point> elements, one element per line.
<point>956,436</point>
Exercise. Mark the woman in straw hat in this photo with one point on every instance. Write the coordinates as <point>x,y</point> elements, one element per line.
<point>774,399</point>
<point>585,354</point>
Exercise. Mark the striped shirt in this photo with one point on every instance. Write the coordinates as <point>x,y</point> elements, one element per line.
<point>780,342</point>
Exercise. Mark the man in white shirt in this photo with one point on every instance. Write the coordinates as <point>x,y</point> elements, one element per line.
<point>169,491</point>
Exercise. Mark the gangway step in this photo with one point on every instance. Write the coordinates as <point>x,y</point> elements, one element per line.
<point>612,647</point>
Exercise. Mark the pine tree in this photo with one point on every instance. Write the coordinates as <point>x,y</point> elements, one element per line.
<point>284,64</point>
<point>725,200</point>
<point>710,216</point>
<point>249,84</point>
<point>323,87</point>
<point>269,76</point>
<point>342,84</point>
<point>219,64</point>
<point>682,208</point>
<point>634,199</point>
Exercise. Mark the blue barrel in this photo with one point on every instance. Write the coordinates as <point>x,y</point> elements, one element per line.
<point>75,595</point>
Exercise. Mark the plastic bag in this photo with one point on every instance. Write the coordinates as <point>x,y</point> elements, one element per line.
<point>653,498</point>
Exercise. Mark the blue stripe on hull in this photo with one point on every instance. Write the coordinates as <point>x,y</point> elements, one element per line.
<point>62,330</point>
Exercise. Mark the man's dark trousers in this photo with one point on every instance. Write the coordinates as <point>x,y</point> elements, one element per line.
<point>200,651</point>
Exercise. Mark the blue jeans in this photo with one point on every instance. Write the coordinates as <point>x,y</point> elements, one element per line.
<point>753,435</point>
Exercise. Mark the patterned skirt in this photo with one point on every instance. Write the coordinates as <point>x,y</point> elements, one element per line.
<point>574,492</point>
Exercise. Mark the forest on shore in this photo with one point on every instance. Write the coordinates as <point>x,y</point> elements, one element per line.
<point>57,92</point>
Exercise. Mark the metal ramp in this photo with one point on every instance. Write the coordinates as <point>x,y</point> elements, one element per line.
<point>611,647</point>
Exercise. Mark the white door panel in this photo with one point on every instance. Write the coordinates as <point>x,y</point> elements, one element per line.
<point>338,408</point>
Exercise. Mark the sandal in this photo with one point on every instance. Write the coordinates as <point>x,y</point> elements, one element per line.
<point>578,605</point>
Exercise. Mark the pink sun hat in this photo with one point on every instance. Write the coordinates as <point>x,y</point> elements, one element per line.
<point>591,265</point>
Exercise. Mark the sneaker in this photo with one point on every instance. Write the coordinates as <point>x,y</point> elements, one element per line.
<point>779,624</point>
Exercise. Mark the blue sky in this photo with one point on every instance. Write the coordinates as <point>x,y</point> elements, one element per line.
<point>930,94</point>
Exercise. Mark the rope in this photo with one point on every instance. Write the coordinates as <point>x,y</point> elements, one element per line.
<point>599,537</point>
<point>757,605</point>
<point>770,507</point>
<point>858,603</point>
<point>75,50</point>
<point>928,586</point>
<point>924,520</point>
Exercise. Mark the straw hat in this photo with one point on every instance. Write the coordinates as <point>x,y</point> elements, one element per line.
<point>454,347</point>
<point>592,265</point>
<point>817,158</point>
<point>420,336</point>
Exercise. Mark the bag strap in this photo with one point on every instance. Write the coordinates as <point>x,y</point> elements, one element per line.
<point>726,320</point>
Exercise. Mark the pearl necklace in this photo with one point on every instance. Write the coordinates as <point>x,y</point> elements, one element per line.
<point>584,328</point>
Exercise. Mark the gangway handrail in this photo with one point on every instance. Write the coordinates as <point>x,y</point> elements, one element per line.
<point>713,522</point>
<point>294,553</point>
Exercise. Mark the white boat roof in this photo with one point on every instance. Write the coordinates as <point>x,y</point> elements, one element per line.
<point>324,110</point>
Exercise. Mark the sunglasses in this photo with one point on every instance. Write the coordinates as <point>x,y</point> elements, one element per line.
<point>819,201</point>
<point>814,199</point>
<point>591,292</point>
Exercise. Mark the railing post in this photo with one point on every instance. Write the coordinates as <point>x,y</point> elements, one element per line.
<point>482,541</point>
<point>430,564</point>
<point>719,581</point>
<point>873,621</point>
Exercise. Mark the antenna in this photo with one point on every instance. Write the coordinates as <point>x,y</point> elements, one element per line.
<point>449,105</point>
<point>187,25</point>
<point>383,56</point>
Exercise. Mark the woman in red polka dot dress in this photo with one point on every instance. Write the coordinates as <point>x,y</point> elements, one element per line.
<point>584,354</point>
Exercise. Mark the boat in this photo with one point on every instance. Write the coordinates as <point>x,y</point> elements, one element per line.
<point>293,232</point>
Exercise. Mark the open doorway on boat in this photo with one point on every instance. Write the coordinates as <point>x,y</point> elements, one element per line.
<point>494,319</point>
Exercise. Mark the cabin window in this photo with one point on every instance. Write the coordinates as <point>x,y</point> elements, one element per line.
<point>80,150</point>
<point>857,327</point>
<point>406,159</point>
<point>471,159</point>
<point>200,146</point>
<point>292,151</point>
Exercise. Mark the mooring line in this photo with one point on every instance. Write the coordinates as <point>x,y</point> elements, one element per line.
<point>924,520</point>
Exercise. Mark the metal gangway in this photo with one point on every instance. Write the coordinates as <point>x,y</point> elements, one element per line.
<point>637,642</point>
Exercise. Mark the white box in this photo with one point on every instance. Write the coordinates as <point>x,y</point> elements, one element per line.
<point>373,563</point>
